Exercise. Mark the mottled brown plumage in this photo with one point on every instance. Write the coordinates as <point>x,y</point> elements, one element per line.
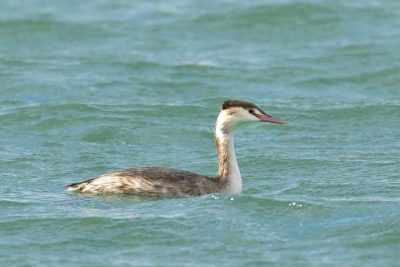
<point>150,181</point>
<point>223,160</point>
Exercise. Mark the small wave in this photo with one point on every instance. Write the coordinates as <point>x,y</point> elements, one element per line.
<point>386,75</point>
<point>200,63</point>
<point>370,199</point>
<point>12,203</point>
<point>256,16</point>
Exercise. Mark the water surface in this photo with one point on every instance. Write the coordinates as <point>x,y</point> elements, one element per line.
<point>96,86</point>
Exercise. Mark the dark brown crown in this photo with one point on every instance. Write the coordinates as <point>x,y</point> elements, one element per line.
<point>238,103</point>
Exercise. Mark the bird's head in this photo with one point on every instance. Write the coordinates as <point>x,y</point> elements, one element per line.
<point>236,112</point>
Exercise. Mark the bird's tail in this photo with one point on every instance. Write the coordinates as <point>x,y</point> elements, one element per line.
<point>78,187</point>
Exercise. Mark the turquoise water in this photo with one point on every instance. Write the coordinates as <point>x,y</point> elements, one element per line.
<point>89,87</point>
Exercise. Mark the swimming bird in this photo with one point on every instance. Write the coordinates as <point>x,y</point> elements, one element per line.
<point>156,181</point>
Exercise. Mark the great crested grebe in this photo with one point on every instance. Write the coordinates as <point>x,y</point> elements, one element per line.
<point>155,181</point>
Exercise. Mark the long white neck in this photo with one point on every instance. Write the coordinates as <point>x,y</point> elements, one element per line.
<point>228,169</point>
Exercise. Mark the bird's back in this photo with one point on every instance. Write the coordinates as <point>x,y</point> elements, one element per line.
<point>150,181</point>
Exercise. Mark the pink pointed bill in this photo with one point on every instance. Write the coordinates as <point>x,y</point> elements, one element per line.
<point>268,118</point>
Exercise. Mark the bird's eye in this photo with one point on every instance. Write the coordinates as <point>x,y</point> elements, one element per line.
<point>251,111</point>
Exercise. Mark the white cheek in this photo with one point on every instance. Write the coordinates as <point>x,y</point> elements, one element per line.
<point>247,117</point>
<point>254,118</point>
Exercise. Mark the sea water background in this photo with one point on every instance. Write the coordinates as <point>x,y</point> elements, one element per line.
<point>88,87</point>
